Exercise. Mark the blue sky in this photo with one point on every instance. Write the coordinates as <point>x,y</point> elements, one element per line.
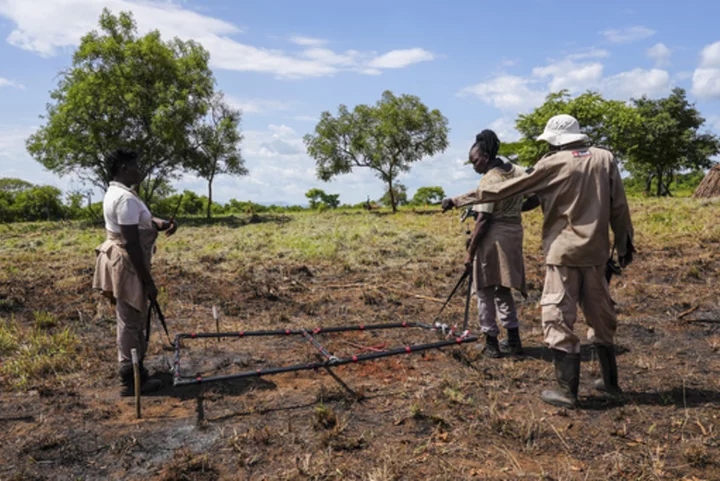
<point>283,62</point>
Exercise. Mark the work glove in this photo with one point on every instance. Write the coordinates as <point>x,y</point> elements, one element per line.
<point>628,257</point>
<point>151,290</point>
<point>447,204</point>
<point>468,263</point>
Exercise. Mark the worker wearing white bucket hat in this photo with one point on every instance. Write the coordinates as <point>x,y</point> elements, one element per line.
<point>562,130</point>
<point>582,195</point>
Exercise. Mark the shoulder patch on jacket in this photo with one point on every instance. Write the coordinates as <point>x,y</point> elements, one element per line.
<point>581,153</point>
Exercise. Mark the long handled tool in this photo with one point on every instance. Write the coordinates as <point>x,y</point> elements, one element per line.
<point>161,317</point>
<point>172,217</point>
<point>464,275</point>
<point>467,301</point>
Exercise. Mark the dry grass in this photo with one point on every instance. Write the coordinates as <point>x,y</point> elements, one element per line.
<point>437,416</point>
<point>33,355</point>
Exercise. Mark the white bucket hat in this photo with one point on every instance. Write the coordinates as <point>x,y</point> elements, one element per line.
<point>562,129</point>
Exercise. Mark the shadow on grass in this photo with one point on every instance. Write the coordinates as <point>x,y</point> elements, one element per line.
<point>236,387</point>
<point>587,352</point>
<point>677,396</point>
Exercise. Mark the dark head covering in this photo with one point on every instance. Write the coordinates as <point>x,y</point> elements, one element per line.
<point>487,143</point>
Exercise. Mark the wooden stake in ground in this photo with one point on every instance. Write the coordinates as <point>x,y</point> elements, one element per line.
<point>216,316</point>
<point>136,375</point>
<point>199,408</point>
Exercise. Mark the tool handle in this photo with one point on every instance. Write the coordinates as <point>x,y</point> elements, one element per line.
<point>136,376</point>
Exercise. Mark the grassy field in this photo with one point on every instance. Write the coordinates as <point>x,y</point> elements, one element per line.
<point>447,414</point>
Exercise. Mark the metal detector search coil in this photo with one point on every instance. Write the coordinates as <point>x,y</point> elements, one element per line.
<point>330,359</point>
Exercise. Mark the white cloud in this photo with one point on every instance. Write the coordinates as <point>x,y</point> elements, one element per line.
<point>516,94</point>
<point>660,53</point>
<point>304,118</point>
<point>706,78</point>
<point>570,75</point>
<point>706,83</point>
<point>627,35</point>
<point>44,26</point>
<point>507,92</point>
<point>401,58</point>
<point>9,83</point>
<point>710,56</point>
<point>638,82</point>
<point>47,26</point>
<point>328,57</point>
<point>16,162</point>
<point>307,41</point>
<point>591,53</point>
<point>504,127</point>
<point>257,106</point>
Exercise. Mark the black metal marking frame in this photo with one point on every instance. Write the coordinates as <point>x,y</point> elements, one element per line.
<point>330,360</point>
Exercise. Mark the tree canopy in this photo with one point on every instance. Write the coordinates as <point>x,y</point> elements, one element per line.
<point>669,140</point>
<point>428,195</point>
<point>654,138</point>
<point>124,90</point>
<point>320,200</point>
<point>217,148</point>
<point>386,137</point>
<point>607,123</point>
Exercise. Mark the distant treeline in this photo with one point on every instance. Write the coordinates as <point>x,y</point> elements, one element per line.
<point>22,201</point>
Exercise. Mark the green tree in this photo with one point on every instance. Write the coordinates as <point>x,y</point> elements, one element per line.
<point>39,203</point>
<point>9,184</point>
<point>319,199</point>
<point>428,195</point>
<point>124,90</point>
<point>387,138</point>
<point>218,145</point>
<point>669,141</point>
<point>608,123</point>
<point>397,194</point>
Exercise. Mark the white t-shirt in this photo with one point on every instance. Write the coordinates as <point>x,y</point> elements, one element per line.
<point>122,207</point>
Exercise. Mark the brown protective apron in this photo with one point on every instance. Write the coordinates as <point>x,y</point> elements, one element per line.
<point>499,258</point>
<point>115,275</point>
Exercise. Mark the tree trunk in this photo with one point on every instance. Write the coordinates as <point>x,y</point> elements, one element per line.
<point>648,185</point>
<point>392,196</point>
<point>659,183</point>
<point>209,207</point>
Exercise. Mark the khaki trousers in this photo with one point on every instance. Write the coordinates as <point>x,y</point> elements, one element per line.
<point>130,331</point>
<point>496,301</point>
<point>565,288</point>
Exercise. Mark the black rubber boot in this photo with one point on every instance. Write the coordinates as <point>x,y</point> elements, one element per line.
<point>567,371</point>
<point>492,347</point>
<point>127,379</point>
<point>609,381</point>
<point>512,344</point>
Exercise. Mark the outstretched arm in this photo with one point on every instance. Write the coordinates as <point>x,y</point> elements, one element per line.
<point>533,182</point>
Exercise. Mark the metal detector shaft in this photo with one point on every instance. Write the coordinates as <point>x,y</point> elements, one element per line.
<point>180,381</point>
<point>299,332</point>
<point>457,286</point>
<point>467,301</point>
<point>177,207</point>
